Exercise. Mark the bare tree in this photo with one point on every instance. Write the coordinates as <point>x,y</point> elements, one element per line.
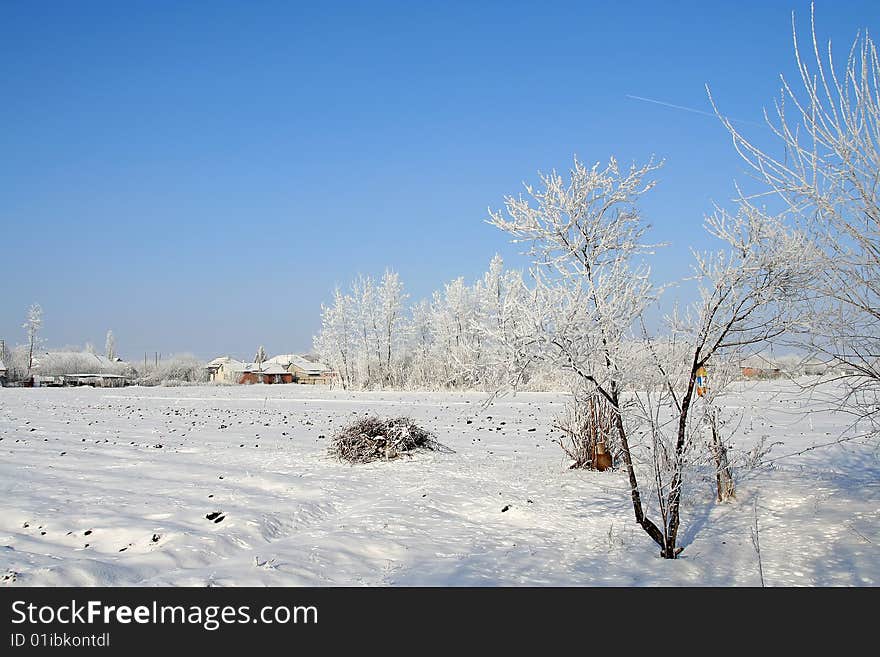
<point>825,168</point>
<point>32,327</point>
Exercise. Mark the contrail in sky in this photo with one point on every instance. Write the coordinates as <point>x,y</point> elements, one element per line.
<point>687,109</point>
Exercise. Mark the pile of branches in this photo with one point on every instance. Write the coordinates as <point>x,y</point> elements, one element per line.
<point>588,431</point>
<point>372,439</point>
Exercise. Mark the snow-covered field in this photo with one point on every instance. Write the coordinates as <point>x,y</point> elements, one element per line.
<point>112,487</point>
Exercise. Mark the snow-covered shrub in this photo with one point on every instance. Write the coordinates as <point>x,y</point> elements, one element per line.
<point>16,361</point>
<point>177,370</point>
<point>69,361</point>
<point>373,438</point>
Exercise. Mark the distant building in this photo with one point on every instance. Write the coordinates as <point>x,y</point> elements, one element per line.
<point>304,370</point>
<point>266,373</point>
<point>759,367</point>
<point>2,374</point>
<point>225,369</point>
<point>286,368</point>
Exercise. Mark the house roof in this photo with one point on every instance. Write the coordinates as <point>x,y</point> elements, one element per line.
<point>275,365</point>
<point>273,368</point>
<point>759,362</point>
<point>286,360</point>
<point>227,361</point>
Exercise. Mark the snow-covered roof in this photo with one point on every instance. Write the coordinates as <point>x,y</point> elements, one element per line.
<point>227,361</point>
<point>280,359</point>
<point>286,360</point>
<point>759,362</point>
<point>273,368</point>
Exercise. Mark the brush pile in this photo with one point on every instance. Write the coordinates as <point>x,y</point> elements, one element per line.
<point>374,439</point>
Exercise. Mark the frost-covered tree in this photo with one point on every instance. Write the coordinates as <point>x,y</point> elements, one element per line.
<point>421,351</point>
<point>176,370</point>
<point>588,243</point>
<point>32,327</point>
<point>749,293</point>
<point>366,325</point>
<point>260,357</point>
<point>457,345</point>
<point>823,164</point>
<point>335,341</point>
<point>459,338</point>
<point>502,298</point>
<point>110,345</point>
<point>354,337</point>
<point>586,238</point>
<point>5,354</point>
<point>391,299</point>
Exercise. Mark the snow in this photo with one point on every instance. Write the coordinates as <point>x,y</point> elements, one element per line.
<point>286,360</point>
<point>272,368</point>
<point>112,487</point>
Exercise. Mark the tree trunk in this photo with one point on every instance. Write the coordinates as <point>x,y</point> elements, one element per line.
<point>650,528</point>
<point>30,355</point>
<point>674,500</point>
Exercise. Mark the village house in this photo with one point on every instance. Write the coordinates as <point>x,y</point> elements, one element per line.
<point>304,370</point>
<point>265,373</point>
<point>759,367</point>
<point>226,369</point>
<point>287,368</point>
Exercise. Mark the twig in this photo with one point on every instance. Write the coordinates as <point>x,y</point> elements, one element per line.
<point>756,542</point>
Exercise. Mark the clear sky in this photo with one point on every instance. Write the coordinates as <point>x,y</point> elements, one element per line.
<point>198,176</point>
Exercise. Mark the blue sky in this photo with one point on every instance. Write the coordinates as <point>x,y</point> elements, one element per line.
<point>198,176</point>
